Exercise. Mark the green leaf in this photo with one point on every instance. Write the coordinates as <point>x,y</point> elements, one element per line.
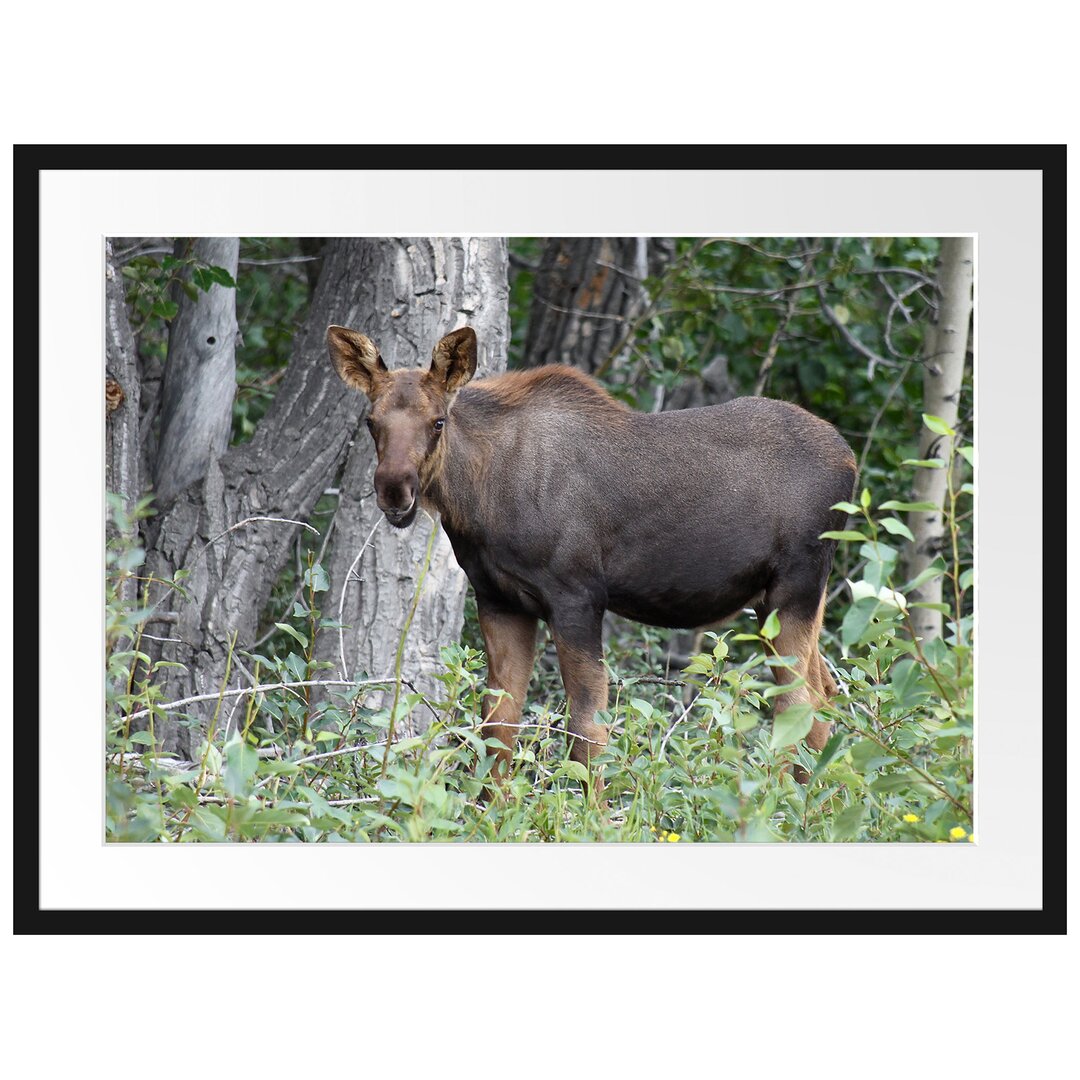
<point>316,579</point>
<point>924,463</point>
<point>222,276</point>
<point>142,738</point>
<point>968,454</point>
<point>906,688</point>
<point>270,767</point>
<point>896,527</point>
<point>937,425</point>
<point>856,620</point>
<point>264,819</point>
<point>847,823</point>
<point>772,626</point>
<point>297,668</point>
<point>864,498</point>
<point>791,725</point>
<point>183,796</point>
<point>641,706</point>
<point>782,688</point>
<point>745,719</point>
<point>575,770</point>
<point>699,665</point>
<point>166,309</point>
<point>908,507</point>
<point>935,569</point>
<point>848,508</point>
<point>900,781</point>
<point>241,762</point>
<point>843,534</point>
<point>293,633</point>
<point>866,756</point>
<point>829,751</point>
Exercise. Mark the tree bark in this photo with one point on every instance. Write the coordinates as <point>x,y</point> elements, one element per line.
<point>943,373</point>
<point>122,453</point>
<point>423,289</point>
<point>587,292</point>
<point>200,374</point>
<point>402,293</point>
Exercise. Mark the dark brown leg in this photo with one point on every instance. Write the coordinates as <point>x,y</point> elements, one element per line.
<point>510,641</point>
<point>586,685</point>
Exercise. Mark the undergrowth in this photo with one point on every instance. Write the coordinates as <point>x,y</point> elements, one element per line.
<point>697,756</point>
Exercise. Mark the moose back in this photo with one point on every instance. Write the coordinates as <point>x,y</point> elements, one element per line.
<point>561,503</point>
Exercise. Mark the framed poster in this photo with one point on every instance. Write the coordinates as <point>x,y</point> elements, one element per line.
<point>997,880</point>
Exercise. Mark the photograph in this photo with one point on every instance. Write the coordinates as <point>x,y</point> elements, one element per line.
<point>646,539</point>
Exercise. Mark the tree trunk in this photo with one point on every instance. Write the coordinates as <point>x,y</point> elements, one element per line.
<point>200,374</point>
<point>394,290</point>
<point>943,374</point>
<point>122,454</point>
<point>587,292</point>
<point>423,289</point>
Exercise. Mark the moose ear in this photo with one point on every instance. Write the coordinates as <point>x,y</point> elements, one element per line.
<point>355,358</point>
<point>453,360</point>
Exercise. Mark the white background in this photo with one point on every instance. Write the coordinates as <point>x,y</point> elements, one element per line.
<point>827,72</point>
<point>1004,209</point>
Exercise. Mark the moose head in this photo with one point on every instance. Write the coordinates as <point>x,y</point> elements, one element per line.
<point>410,411</point>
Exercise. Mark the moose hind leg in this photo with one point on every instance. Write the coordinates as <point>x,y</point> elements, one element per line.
<point>798,638</point>
<point>510,641</point>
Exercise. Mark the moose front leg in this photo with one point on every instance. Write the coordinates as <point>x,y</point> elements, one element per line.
<point>510,641</point>
<point>580,650</point>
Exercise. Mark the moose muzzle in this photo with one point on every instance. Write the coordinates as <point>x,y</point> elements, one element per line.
<point>396,494</point>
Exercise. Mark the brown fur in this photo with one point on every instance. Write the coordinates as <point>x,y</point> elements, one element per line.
<point>561,503</point>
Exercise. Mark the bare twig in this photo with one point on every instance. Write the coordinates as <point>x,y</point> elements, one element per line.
<point>907,271</point>
<point>851,339</point>
<point>284,261</point>
<point>898,302</point>
<point>774,345</point>
<point>880,413</point>
<point>248,521</point>
<point>299,588</point>
<point>580,312</point>
<point>779,255</point>
<point>260,688</point>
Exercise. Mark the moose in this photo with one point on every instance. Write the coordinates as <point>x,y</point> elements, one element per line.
<point>562,503</point>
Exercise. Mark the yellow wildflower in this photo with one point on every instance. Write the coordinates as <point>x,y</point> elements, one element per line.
<point>958,833</point>
<point>911,818</point>
<point>971,838</point>
<point>673,836</point>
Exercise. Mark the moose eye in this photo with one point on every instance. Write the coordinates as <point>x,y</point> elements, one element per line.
<point>439,425</point>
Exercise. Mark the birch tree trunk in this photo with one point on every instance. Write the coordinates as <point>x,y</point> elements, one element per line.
<point>588,291</point>
<point>424,289</point>
<point>122,453</point>
<point>943,374</point>
<point>233,531</point>
<point>280,474</point>
<point>200,374</point>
